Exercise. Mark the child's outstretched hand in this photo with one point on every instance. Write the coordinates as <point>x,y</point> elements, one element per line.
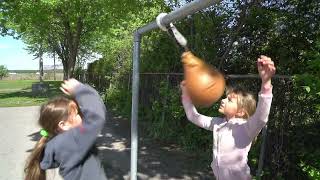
<point>266,68</point>
<point>69,86</point>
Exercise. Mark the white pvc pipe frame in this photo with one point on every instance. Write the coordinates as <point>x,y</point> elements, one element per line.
<point>173,16</point>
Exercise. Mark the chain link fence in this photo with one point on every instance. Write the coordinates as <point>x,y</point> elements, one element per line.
<point>276,153</point>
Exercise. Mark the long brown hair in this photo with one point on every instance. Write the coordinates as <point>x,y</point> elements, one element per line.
<point>51,113</point>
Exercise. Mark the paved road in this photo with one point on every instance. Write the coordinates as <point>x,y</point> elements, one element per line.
<point>18,133</point>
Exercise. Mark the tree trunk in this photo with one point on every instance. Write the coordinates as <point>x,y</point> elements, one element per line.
<point>67,46</point>
<point>40,65</point>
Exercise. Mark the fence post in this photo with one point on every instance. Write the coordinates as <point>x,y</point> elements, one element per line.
<point>129,81</point>
<point>262,151</point>
<point>165,99</point>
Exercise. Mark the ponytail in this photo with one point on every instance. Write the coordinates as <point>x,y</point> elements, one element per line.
<point>32,168</point>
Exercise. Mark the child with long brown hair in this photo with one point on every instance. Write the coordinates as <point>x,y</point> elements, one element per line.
<point>233,134</point>
<point>69,129</point>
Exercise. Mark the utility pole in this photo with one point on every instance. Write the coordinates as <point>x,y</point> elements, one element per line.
<point>54,66</point>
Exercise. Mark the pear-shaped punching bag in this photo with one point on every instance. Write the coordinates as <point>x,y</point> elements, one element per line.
<point>204,84</point>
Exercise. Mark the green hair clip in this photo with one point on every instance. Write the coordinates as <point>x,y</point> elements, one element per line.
<point>44,133</point>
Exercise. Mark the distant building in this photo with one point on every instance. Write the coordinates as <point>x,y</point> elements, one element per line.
<point>51,67</point>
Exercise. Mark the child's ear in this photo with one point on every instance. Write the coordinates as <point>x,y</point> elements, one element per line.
<point>73,106</point>
<point>62,126</point>
<point>240,113</point>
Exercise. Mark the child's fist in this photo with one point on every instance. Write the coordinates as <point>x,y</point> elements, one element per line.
<point>69,86</point>
<point>266,68</point>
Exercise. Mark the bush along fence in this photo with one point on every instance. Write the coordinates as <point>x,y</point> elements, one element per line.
<point>291,146</point>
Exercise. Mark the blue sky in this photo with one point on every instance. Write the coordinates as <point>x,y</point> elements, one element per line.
<point>15,57</point>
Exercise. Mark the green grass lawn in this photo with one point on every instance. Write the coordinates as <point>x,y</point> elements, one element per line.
<point>19,93</point>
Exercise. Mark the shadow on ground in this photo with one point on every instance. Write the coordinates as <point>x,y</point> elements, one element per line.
<point>155,160</point>
<point>34,137</point>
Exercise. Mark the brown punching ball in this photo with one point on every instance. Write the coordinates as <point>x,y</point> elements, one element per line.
<point>204,84</point>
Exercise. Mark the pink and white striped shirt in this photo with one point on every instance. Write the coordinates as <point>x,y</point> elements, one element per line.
<point>232,139</point>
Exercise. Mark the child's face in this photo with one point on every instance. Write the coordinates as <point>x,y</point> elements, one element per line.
<point>229,106</point>
<point>75,119</point>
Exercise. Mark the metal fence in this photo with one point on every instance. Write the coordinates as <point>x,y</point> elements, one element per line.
<point>274,143</point>
<point>284,113</point>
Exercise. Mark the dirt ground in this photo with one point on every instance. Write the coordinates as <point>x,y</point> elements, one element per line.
<point>155,160</point>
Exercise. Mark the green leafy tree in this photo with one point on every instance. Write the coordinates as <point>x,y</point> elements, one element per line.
<point>3,71</point>
<point>63,27</point>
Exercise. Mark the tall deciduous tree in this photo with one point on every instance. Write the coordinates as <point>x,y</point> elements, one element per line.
<point>61,26</point>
